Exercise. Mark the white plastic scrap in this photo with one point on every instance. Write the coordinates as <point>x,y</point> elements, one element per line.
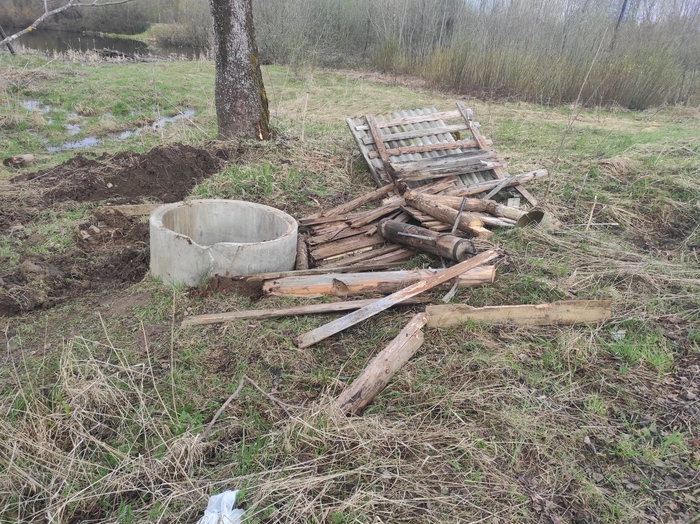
<point>220,509</point>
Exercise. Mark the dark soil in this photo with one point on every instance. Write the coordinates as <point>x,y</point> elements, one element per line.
<point>111,248</point>
<point>165,173</point>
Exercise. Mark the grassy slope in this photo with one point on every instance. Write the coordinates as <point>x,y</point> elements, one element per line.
<point>486,423</point>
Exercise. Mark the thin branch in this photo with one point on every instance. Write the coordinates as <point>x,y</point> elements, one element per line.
<point>48,13</point>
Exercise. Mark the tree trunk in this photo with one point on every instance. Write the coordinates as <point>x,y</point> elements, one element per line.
<point>241,102</point>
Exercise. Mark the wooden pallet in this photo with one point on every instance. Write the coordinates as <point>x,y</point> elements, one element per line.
<point>418,146</point>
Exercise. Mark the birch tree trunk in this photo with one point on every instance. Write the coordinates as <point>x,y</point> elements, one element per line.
<point>241,101</point>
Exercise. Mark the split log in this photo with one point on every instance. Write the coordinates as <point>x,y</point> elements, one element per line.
<point>468,223</point>
<point>261,314</point>
<point>378,282</point>
<point>330,329</point>
<point>382,368</point>
<point>486,186</point>
<point>555,313</point>
<point>476,204</point>
<point>251,285</point>
<point>19,161</point>
<point>442,244</point>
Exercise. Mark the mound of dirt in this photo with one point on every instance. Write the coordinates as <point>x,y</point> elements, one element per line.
<point>109,228</point>
<point>165,173</point>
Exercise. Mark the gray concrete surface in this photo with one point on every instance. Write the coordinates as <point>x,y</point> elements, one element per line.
<point>194,240</point>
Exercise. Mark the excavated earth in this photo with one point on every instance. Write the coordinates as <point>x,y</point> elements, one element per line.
<point>109,247</point>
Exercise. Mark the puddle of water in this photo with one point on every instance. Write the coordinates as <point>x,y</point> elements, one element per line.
<point>72,129</point>
<point>35,105</point>
<point>85,143</point>
<point>91,141</point>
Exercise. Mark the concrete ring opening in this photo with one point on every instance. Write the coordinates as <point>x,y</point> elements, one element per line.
<point>197,239</point>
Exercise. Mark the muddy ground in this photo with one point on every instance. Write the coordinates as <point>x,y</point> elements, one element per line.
<point>107,247</point>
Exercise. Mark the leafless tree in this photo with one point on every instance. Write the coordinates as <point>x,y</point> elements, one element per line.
<point>50,9</point>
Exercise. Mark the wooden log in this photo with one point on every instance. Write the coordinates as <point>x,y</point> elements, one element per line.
<point>260,314</point>
<point>382,368</point>
<point>486,186</point>
<point>19,161</point>
<point>378,282</point>
<point>302,260</point>
<point>330,329</point>
<point>476,204</point>
<point>444,245</point>
<point>468,223</point>
<point>344,209</point>
<point>251,285</point>
<point>555,313</point>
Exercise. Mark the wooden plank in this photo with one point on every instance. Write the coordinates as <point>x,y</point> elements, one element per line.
<point>428,148</point>
<point>485,186</point>
<point>555,313</point>
<point>379,282</point>
<point>412,120</point>
<point>381,148</point>
<point>361,200</point>
<point>382,368</point>
<point>358,258</point>
<point>399,256</point>
<point>392,205</point>
<point>345,245</point>
<point>311,309</point>
<point>330,329</point>
<point>499,171</point>
<point>406,135</point>
<point>448,171</point>
<point>338,234</point>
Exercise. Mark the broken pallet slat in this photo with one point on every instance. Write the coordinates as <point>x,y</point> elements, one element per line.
<point>498,171</point>
<point>382,368</point>
<point>346,208</point>
<point>555,313</point>
<point>330,329</point>
<point>475,189</point>
<point>379,282</point>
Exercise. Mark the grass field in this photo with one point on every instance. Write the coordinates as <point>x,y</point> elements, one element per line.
<point>104,399</point>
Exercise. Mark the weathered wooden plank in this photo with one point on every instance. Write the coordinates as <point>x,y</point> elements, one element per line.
<point>411,119</point>
<point>361,200</point>
<point>463,191</point>
<point>311,309</point>
<point>382,368</point>
<point>405,135</point>
<point>381,148</point>
<point>360,258</point>
<point>428,148</point>
<point>389,207</point>
<point>345,245</point>
<point>330,329</point>
<point>555,313</point>
<point>500,172</point>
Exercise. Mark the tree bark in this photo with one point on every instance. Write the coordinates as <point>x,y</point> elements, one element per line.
<point>240,98</point>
